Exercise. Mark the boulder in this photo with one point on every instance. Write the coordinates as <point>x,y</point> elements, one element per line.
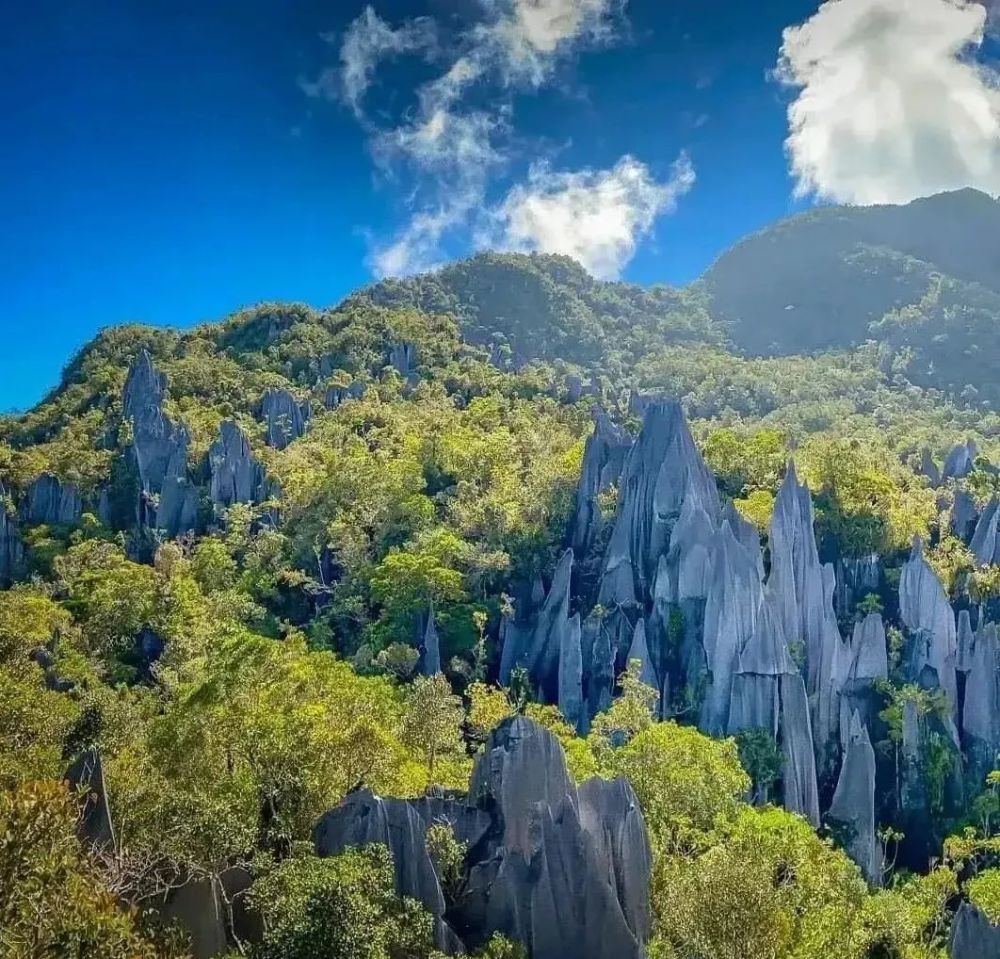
<point>285,418</point>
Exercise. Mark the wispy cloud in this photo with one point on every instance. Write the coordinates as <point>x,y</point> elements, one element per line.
<point>595,216</point>
<point>891,102</point>
<point>368,41</point>
<point>454,141</point>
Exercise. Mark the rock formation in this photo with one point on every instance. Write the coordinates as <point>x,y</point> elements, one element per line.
<point>930,623</point>
<point>662,469</point>
<point>960,461</point>
<point>964,515</point>
<point>981,708</point>
<point>86,778</point>
<point>603,460</point>
<point>167,499</point>
<point>861,664</point>
<point>237,477</point>
<point>852,812</point>
<point>11,544</point>
<point>285,418</point>
<point>973,936</point>
<point>49,501</point>
<point>856,578</point>
<point>430,646</point>
<point>547,864</point>
<point>985,543</point>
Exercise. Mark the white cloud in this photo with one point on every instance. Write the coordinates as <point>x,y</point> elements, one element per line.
<point>526,36</point>
<point>596,217</point>
<point>368,41</point>
<point>892,104</point>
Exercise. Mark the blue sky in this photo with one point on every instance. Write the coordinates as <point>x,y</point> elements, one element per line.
<point>168,162</point>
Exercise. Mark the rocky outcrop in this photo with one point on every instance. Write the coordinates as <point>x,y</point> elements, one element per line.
<point>237,476</point>
<point>960,461</point>
<point>964,515</point>
<point>51,502</point>
<point>197,908</point>
<point>561,867</point>
<point>85,777</point>
<point>570,698</point>
<point>167,499</point>
<point>985,543</point>
<point>852,813</point>
<point>731,608</point>
<point>547,864</point>
<point>930,624</point>
<point>797,580</point>
<point>11,544</point>
<point>403,358</point>
<point>337,395</point>
<point>973,936</point>
<point>861,664</point>
<point>285,418</point>
<point>929,468</point>
<point>663,468</point>
<point>603,460</point>
<point>857,577</point>
<point>430,646</point>
<point>981,708</point>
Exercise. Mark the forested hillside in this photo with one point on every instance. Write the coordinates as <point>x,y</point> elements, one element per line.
<point>501,608</point>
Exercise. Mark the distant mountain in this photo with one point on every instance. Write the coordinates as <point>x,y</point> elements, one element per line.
<point>820,280</point>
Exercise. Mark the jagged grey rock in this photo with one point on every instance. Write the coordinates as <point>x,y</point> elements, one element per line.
<point>930,621</point>
<point>960,461</point>
<point>863,663</point>
<point>430,661</point>
<point>731,608</point>
<point>639,652</point>
<point>563,868</point>
<point>801,793</point>
<point>981,709</point>
<point>929,468</point>
<point>603,459</point>
<point>661,470</point>
<point>403,357</point>
<point>966,642</point>
<point>797,580</point>
<point>571,673</point>
<point>852,812</point>
<point>744,531</point>
<point>964,515</point>
<point>52,502</point>
<point>973,936</point>
<point>336,395</point>
<point>286,419</point>
<point>857,577</point>
<point>985,543</point>
<point>364,818</point>
<point>86,776</point>
<point>159,450</point>
<point>11,544</point>
<point>197,908</point>
<point>237,477</point>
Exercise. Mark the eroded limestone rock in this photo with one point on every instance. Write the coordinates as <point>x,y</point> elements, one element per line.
<point>286,419</point>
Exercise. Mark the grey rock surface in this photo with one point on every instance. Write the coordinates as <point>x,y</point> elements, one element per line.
<point>603,460</point>
<point>985,543</point>
<point>973,936</point>
<point>86,778</point>
<point>285,418</point>
<point>11,544</point>
<point>237,476</point>
<point>852,812</point>
<point>49,501</point>
<point>930,623</point>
